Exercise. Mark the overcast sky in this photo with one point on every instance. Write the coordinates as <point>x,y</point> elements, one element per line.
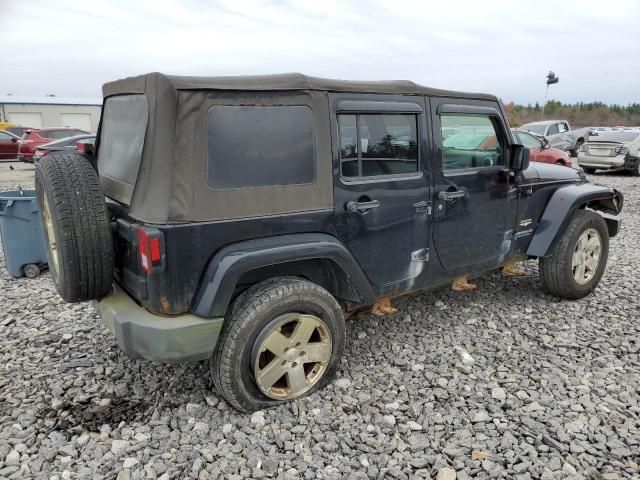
<point>71,47</point>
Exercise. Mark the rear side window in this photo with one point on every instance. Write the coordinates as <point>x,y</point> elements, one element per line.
<point>122,131</point>
<point>60,134</point>
<point>260,146</point>
<point>374,145</point>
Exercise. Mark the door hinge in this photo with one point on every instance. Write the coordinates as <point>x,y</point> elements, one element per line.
<point>423,207</point>
<point>421,255</point>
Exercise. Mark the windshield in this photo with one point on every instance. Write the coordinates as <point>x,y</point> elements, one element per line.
<point>527,140</point>
<point>532,127</point>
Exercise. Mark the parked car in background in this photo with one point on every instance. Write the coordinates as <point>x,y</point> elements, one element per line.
<point>64,145</point>
<point>540,150</point>
<point>611,151</point>
<point>31,139</point>
<point>559,134</point>
<point>8,145</point>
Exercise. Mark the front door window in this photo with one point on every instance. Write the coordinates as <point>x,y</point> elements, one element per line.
<point>476,144</point>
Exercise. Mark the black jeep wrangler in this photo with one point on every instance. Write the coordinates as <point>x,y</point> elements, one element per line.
<point>240,219</point>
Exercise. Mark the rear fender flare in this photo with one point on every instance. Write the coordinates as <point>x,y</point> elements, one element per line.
<point>564,203</point>
<point>227,266</point>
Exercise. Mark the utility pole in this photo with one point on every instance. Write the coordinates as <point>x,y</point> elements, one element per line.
<point>551,79</point>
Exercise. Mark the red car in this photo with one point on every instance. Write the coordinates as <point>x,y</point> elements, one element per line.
<point>8,145</point>
<point>33,138</point>
<point>540,150</point>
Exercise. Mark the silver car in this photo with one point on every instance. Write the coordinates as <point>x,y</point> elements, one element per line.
<point>611,151</point>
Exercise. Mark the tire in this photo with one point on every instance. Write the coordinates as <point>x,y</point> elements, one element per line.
<point>557,270</point>
<point>574,152</point>
<point>635,171</point>
<point>560,162</point>
<point>257,313</point>
<point>76,226</point>
<point>589,170</point>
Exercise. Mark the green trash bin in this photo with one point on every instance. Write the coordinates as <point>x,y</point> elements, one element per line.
<point>21,233</point>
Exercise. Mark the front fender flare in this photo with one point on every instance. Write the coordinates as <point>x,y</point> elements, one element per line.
<point>561,207</point>
<point>227,266</point>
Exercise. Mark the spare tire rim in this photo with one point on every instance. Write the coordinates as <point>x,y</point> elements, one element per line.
<point>586,256</point>
<point>291,355</point>
<point>51,236</point>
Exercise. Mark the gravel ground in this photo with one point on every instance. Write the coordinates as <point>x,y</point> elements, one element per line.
<point>503,382</point>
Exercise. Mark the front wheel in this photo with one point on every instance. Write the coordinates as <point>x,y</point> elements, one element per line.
<point>577,262</point>
<point>282,340</point>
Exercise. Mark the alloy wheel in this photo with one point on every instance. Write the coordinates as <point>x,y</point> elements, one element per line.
<point>291,355</point>
<point>586,256</point>
<point>51,236</point>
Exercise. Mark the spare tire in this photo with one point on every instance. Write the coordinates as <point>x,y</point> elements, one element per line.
<point>76,226</point>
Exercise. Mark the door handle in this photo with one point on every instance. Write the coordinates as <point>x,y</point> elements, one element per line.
<point>361,207</point>
<point>451,195</point>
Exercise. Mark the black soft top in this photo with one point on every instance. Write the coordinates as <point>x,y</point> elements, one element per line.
<point>169,182</point>
<point>284,81</point>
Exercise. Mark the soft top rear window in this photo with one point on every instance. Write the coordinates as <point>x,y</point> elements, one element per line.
<point>122,131</point>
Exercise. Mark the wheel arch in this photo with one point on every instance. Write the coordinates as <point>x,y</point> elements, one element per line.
<point>564,203</point>
<point>318,257</point>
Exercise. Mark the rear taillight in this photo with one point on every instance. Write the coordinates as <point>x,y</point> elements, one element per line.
<point>150,249</point>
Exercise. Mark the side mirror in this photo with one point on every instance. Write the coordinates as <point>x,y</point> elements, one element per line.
<point>519,157</point>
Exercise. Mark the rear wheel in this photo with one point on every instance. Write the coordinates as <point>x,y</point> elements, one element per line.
<point>560,162</point>
<point>577,262</point>
<point>282,340</point>
<point>76,226</point>
<point>589,170</point>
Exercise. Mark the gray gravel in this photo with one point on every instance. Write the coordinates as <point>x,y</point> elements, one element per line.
<point>504,382</point>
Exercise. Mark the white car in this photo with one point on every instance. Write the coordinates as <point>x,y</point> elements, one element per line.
<point>611,151</point>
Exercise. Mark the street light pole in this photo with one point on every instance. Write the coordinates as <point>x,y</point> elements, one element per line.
<point>551,79</point>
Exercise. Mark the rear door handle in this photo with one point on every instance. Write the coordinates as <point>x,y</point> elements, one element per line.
<point>451,195</point>
<point>361,207</point>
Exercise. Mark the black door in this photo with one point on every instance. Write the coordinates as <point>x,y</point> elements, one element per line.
<point>475,198</point>
<point>380,189</point>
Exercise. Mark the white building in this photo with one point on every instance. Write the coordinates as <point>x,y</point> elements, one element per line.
<point>43,112</point>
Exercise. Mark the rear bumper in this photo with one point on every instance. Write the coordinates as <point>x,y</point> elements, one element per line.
<point>141,334</point>
<point>604,163</point>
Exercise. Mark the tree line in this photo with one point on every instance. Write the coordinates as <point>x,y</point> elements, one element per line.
<point>593,114</point>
